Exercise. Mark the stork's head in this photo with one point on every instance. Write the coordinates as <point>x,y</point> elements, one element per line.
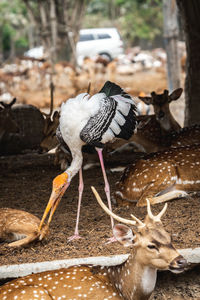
<point>59,186</point>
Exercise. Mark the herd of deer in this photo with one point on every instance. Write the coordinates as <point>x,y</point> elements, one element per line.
<point>169,170</point>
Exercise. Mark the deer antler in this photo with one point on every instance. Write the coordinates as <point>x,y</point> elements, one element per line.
<point>52,87</point>
<point>137,220</point>
<point>110,213</point>
<point>89,86</point>
<point>157,217</point>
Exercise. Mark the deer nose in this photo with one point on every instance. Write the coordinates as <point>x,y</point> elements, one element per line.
<point>179,263</point>
<point>160,114</point>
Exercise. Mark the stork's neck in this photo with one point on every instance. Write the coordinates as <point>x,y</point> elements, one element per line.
<point>76,164</point>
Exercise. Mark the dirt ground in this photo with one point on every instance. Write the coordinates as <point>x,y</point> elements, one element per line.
<point>25,183</point>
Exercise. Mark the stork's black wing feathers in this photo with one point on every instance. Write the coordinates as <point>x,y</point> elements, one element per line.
<point>98,124</point>
<point>112,89</point>
<point>110,109</point>
<point>127,129</point>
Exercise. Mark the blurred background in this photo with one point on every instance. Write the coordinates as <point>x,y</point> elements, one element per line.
<point>139,44</point>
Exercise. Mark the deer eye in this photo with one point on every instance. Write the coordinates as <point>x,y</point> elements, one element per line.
<point>152,247</point>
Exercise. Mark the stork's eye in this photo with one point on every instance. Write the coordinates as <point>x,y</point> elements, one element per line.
<point>152,247</point>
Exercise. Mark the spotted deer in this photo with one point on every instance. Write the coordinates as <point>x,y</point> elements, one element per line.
<point>186,136</point>
<point>160,176</point>
<point>19,227</point>
<point>133,279</point>
<point>153,131</point>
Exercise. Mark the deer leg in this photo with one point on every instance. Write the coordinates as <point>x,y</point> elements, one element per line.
<point>25,241</point>
<point>168,196</point>
<point>80,189</point>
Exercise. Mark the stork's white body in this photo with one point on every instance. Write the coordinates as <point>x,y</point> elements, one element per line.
<point>95,121</point>
<point>74,116</point>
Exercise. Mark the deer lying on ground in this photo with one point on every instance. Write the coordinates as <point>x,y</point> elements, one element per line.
<point>133,279</point>
<point>19,227</point>
<point>153,131</point>
<point>186,136</point>
<point>160,176</point>
<point>7,122</point>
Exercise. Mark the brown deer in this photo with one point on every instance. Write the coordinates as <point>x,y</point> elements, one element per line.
<point>7,122</point>
<point>153,131</point>
<point>133,279</point>
<point>162,112</point>
<point>160,176</point>
<point>20,227</point>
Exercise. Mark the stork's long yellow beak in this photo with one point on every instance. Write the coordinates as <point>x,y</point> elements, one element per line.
<point>52,205</point>
<point>60,185</point>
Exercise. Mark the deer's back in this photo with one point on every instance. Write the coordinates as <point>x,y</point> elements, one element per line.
<point>74,282</point>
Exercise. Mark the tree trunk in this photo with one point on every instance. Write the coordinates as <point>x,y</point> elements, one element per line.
<point>190,12</point>
<point>12,48</point>
<point>45,32</point>
<point>171,44</point>
<point>1,47</point>
<point>58,22</point>
<point>73,20</point>
<point>53,30</point>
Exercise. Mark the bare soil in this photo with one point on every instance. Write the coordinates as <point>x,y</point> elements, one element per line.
<point>25,183</point>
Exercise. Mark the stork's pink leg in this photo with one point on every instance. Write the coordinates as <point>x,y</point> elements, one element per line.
<point>80,190</point>
<point>107,186</point>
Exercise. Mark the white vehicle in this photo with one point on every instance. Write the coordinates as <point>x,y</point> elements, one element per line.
<point>95,41</point>
<point>99,41</point>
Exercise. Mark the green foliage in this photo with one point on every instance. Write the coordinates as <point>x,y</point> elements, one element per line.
<point>136,19</point>
<point>6,33</point>
<point>21,43</point>
<point>143,20</point>
<point>13,20</point>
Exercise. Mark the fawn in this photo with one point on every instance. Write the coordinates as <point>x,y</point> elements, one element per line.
<point>133,279</point>
<point>20,227</point>
<point>160,176</point>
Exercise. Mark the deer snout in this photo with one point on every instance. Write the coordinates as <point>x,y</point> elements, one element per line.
<point>178,264</point>
<point>161,115</point>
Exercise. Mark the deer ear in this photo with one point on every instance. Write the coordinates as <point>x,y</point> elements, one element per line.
<point>175,94</point>
<point>56,115</point>
<point>146,100</point>
<point>123,234</point>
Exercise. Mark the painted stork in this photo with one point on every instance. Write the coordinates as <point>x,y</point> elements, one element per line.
<point>86,120</point>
